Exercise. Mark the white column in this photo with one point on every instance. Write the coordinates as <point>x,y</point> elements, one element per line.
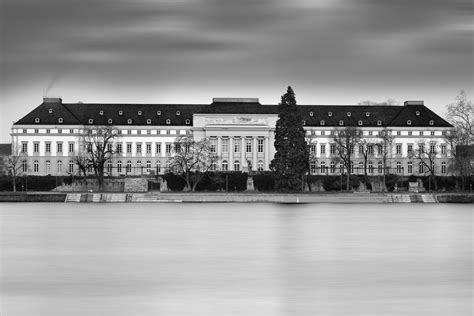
<point>254,154</point>
<point>243,160</point>
<point>267,154</point>
<point>231,154</point>
<point>219,148</point>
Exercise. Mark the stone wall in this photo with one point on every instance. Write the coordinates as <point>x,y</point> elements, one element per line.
<point>136,185</point>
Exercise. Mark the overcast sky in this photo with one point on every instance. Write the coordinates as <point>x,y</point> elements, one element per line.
<point>188,51</point>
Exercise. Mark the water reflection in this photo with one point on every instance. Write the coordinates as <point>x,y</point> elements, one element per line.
<point>236,259</point>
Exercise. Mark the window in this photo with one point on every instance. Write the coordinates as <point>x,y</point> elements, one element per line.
<point>48,166</point>
<point>410,133</point>
<point>91,121</point>
<point>109,148</point>
<point>443,149</point>
<point>158,113</point>
<point>36,131</point>
<point>119,148</point>
<point>71,166</point>
<point>312,167</point>
<point>410,167</point>
<point>370,149</point>
<point>367,114</point>
<point>24,165</point>
<point>329,114</point>
<point>139,113</point>
<point>225,145</point>
<point>129,148</point>
<point>323,166</point>
<point>311,114</point>
<point>139,164</point>
<point>129,166</point>
<point>188,121</point>
<point>332,149</point>
<point>148,166</point>
<point>120,113</point>
<point>24,147</point>
<point>148,121</point>
<point>236,145</point>
<point>168,121</point>
<point>248,145</point>
<point>101,112</point>
<point>312,149</point>
<point>260,165</point>
<point>36,166</point>
<point>410,149</point>
<point>379,149</point>
<point>60,120</point>
<point>109,121</point>
<point>432,149</point>
<point>260,145</point>
<point>36,147</point>
<point>399,167</point>
<point>59,147</point>
<point>168,148</point>
<point>119,166</point>
<point>148,148</point>
<point>333,167</point>
<point>321,122</point>
<point>399,133</point>
<point>380,167</point>
<point>379,123</point>
<point>71,147</point>
<point>158,167</point>
<point>420,167</point>
<point>398,149</point>
<point>432,133</point>
<point>213,145</point>
<point>431,122</point>
<point>139,148</point>
<point>371,133</point>
<point>37,120</point>
<point>409,122</point>
<point>178,113</point>
<point>341,122</point>
<point>60,166</point>
<point>225,165</point>
<point>323,149</point>
<point>213,166</point>
<point>443,167</point>
<point>48,148</point>
<point>48,131</point>
<point>371,167</point>
<point>237,165</point>
<point>129,121</point>
<point>50,111</point>
<point>348,114</point>
<point>360,123</point>
<point>417,113</point>
<point>421,147</point>
<point>158,148</point>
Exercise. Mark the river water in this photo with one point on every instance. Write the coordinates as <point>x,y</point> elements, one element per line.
<point>236,259</point>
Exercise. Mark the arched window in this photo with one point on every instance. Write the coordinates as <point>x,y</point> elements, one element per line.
<point>443,167</point>
<point>323,166</point>
<point>148,166</point>
<point>380,167</point>
<point>312,167</point>
<point>213,166</point>
<point>371,167</point>
<point>36,166</point>
<point>361,167</point>
<point>48,166</point>
<point>109,167</point>
<point>225,165</point>
<point>71,166</point>
<point>237,165</point>
<point>158,167</point>
<point>119,166</point>
<point>333,167</point>
<point>410,167</point>
<point>399,167</point>
<point>129,166</point>
<point>24,165</point>
<point>60,166</point>
<point>260,165</point>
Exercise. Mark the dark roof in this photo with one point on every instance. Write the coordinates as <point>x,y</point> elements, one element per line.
<point>370,115</point>
<point>5,149</point>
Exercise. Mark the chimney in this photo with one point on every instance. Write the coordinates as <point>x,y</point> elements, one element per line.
<point>52,100</point>
<point>406,103</point>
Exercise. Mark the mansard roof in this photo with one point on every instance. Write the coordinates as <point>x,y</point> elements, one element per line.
<point>51,110</point>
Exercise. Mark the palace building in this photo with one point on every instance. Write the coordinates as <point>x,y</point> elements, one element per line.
<point>241,132</point>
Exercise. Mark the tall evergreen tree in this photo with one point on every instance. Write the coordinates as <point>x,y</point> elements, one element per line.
<point>291,160</point>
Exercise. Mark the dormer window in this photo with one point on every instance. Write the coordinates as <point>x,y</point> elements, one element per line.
<point>101,112</point>
<point>341,122</point>
<point>120,113</point>
<point>329,114</point>
<point>148,121</point>
<point>349,114</point>
<point>129,121</point>
<point>311,114</point>
<point>322,122</point>
<point>408,122</point>
<point>431,122</point>
<point>360,123</point>
<point>168,121</point>
<point>158,113</point>
<point>178,113</point>
<point>140,113</point>
<point>379,123</point>
<point>60,120</point>
<point>367,114</point>
<point>188,121</point>
<point>37,120</point>
<point>109,121</point>
<point>417,113</point>
<point>91,121</point>
<point>50,111</point>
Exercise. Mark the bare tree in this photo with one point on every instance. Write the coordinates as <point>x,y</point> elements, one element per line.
<point>82,161</point>
<point>191,159</point>
<point>426,154</point>
<point>14,164</point>
<point>346,139</point>
<point>99,147</point>
<point>461,115</point>
<point>386,138</point>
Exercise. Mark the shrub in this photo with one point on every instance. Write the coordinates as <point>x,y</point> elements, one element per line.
<point>175,182</point>
<point>264,181</point>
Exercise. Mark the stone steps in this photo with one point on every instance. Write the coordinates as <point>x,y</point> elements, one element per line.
<point>73,197</point>
<point>428,198</point>
<point>399,198</point>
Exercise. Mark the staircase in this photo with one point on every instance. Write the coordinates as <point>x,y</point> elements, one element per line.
<point>73,197</point>
<point>428,198</point>
<point>399,198</point>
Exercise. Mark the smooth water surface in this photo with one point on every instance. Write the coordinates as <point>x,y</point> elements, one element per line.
<point>236,259</point>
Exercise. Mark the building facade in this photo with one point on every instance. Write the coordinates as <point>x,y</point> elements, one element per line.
<point>241,132</point>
